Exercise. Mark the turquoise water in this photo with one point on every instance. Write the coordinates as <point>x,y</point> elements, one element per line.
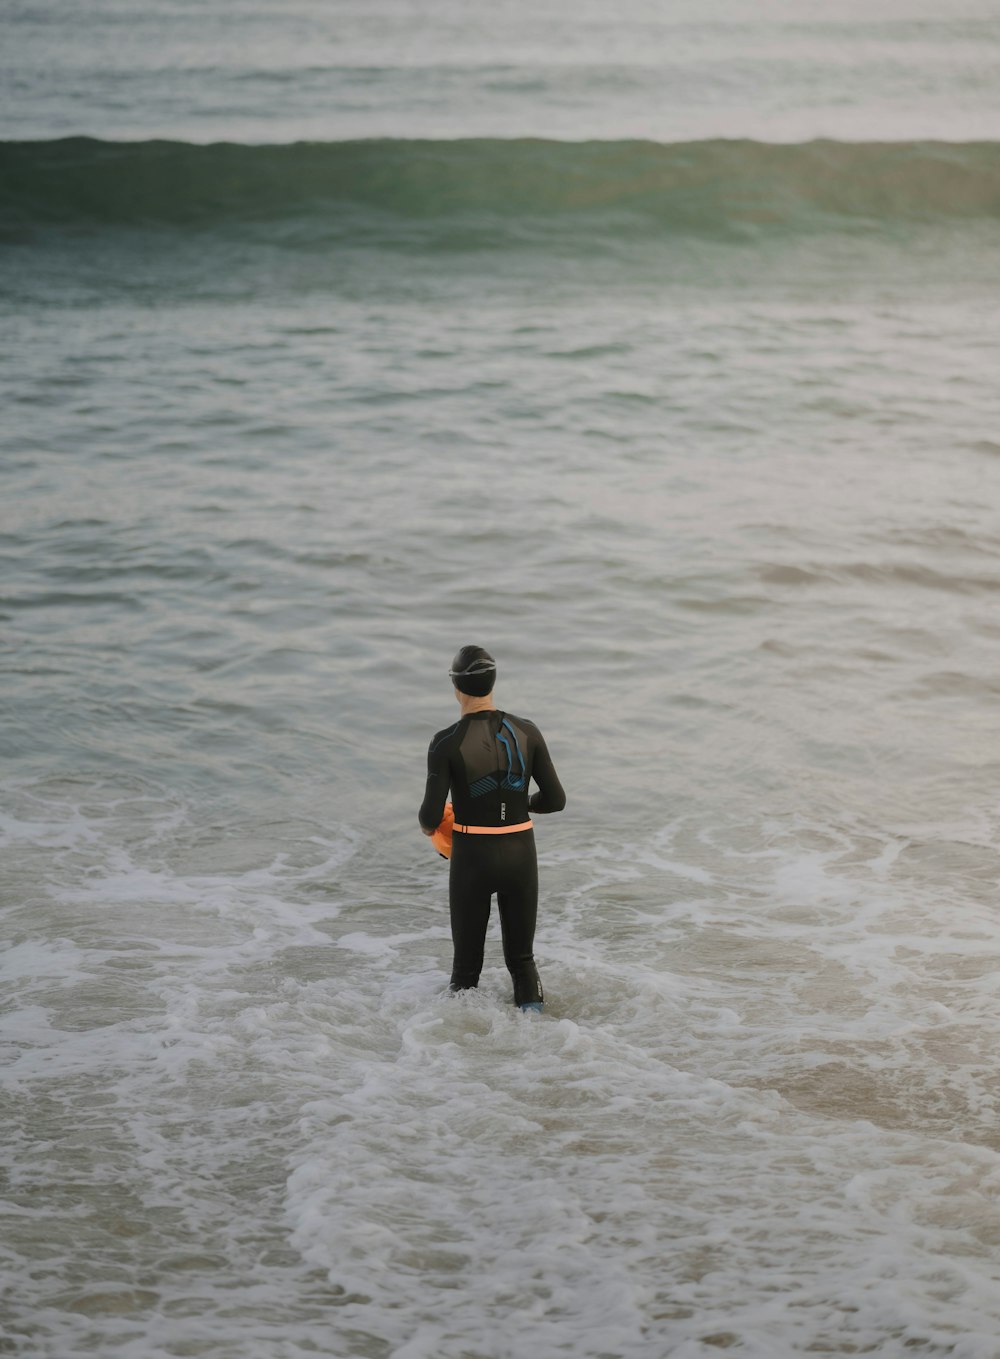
<point>560,335</point>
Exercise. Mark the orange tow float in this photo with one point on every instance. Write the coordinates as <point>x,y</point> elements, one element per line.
<point>441,839</point>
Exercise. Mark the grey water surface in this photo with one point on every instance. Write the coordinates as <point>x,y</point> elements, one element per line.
<point>700,437</point>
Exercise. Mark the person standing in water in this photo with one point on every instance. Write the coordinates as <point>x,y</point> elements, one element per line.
<point>487,759</point>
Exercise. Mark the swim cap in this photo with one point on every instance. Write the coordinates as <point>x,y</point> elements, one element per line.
<point>474,671</point>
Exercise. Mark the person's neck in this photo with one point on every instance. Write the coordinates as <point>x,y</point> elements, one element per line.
<point>468,703</point>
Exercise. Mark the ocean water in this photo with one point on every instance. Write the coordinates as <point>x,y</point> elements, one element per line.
<point>654,348</point>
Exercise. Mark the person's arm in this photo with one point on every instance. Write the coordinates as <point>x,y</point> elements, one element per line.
<point>436,790</point>
<point>550,796</point>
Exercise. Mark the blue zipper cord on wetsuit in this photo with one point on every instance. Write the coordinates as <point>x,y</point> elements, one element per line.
<point>510,781</point>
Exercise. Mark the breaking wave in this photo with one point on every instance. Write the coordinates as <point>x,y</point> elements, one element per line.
<point>511,187</point>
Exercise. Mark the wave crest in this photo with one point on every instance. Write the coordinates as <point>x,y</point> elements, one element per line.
<point>701,188</point>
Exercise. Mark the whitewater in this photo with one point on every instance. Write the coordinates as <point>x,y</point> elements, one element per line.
<point>656,351</point>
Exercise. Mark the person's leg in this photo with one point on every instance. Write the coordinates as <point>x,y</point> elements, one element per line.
<point>517,902</point>
<point>469,894</point>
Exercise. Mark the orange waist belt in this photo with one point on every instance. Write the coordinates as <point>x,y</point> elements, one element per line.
<point>493,830</point>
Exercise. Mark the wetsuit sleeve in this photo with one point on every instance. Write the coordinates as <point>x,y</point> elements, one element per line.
<point>436,791</point>
<point>550,796</point>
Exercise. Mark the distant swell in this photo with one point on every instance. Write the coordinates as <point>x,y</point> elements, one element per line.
<point>710,188</point>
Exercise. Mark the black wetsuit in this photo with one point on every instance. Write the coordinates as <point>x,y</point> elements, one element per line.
<point>487,760</point>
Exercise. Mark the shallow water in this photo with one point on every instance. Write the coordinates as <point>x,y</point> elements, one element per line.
<point>719,492</point>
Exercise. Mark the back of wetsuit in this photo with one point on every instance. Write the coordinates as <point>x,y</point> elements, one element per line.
<point>487,760</point>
